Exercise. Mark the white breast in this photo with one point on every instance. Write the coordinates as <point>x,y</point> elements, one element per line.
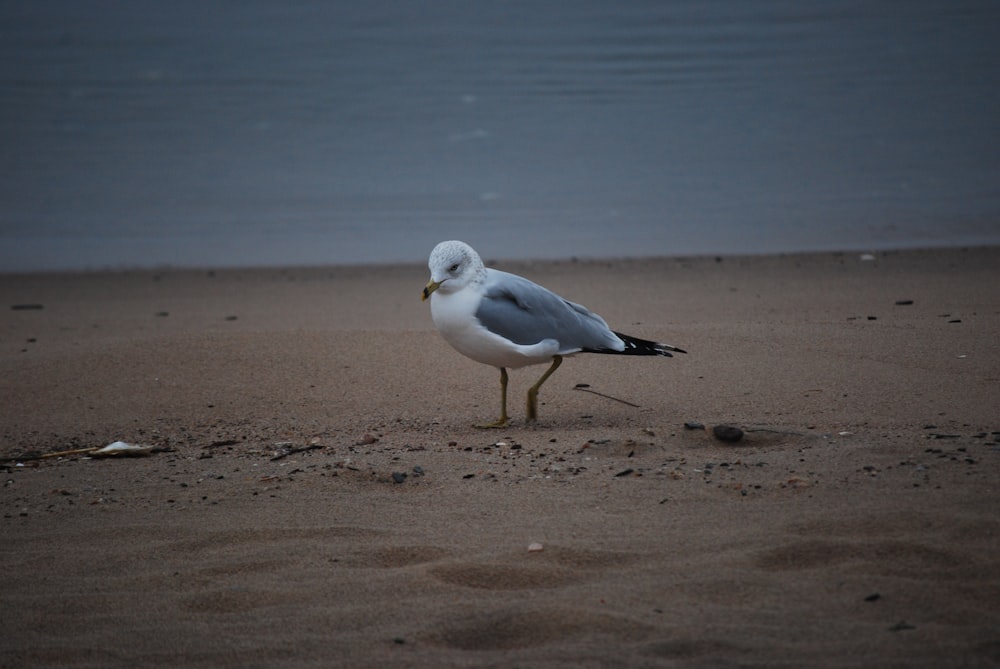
<point>454,315</point>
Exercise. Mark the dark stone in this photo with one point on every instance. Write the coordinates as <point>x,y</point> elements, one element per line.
<point>727,433</point>
<point>694,425</point>
<point>398,477</point>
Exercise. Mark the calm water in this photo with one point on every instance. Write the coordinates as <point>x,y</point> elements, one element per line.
<point>231,133</point>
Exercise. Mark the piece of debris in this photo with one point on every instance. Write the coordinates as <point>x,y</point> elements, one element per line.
<point>694,425</point>
<point>585,387</point>
<point>287,449</point>
<point>121,449</point>
<point>534,547</point>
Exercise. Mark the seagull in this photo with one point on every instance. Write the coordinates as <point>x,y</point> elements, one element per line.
<point>506,321</point>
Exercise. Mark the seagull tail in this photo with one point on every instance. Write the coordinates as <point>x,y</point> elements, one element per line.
<point>636,346</point>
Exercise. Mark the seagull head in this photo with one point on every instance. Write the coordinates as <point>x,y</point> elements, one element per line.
<point>453,265</point>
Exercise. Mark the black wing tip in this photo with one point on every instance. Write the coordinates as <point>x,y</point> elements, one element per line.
<point>636,346</point>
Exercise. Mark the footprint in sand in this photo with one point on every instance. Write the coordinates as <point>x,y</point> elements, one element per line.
<point>871,556</point>
<point>879,545</point>
<point>513,629</point>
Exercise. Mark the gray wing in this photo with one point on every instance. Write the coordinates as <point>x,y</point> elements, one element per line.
<point>526,313</point>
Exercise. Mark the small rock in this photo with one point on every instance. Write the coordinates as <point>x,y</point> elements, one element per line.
<point>534,547</point>
<point>418,470</point>
<point>903,303</point>
<point>366,440</point>
<point>874,597</point>
<point>694,425</point>
<point>727,433</point>
<point>625,472</point>
<point>398,477</point>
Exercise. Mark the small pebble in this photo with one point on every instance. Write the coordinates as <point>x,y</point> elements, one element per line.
<point>694,425</point>
<point>534,547</point>
<point>398,477</point>
<point>727,433</point>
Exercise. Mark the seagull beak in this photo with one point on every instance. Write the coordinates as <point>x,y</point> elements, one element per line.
<point>430,288</point>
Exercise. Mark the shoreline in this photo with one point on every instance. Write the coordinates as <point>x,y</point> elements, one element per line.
<point>916,247</point>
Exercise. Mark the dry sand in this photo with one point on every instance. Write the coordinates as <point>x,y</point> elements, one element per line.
<point>855,525</point>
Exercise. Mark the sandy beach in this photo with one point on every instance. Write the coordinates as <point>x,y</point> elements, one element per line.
<point>315,493</point>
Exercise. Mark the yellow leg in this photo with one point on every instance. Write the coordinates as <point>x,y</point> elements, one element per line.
<point>533,390</point>
<point>502,420</point>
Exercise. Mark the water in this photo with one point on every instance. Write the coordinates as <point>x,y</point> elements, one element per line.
<point>261,133</point>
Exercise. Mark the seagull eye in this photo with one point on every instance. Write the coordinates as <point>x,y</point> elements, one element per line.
<point>453,268</point>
